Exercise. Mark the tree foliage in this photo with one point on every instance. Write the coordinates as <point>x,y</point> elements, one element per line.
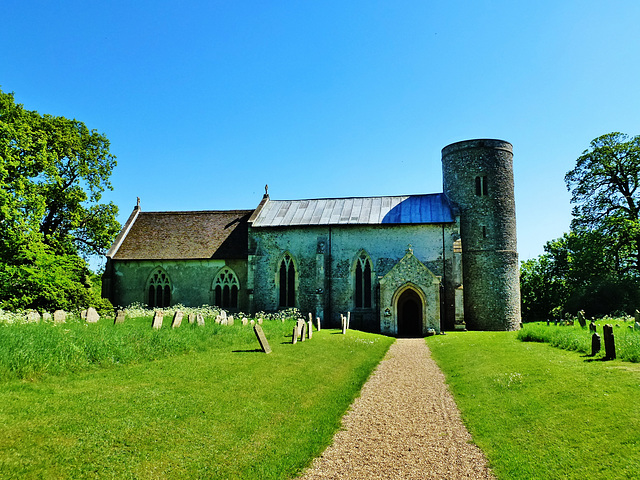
<point>53,172</point>
<point>595,267</point>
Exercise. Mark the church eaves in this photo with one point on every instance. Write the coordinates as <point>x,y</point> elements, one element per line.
<point>407,209</point>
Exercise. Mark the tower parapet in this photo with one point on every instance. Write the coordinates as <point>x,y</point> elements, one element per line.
<point>478,179</point>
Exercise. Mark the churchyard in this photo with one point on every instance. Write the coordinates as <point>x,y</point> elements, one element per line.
<point>140,398</point>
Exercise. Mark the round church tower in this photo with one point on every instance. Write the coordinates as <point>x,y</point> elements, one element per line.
<point>478,180</point>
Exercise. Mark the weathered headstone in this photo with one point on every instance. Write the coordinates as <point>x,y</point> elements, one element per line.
<point>59,316</point>
<point>303,331</point>
<point>260,320</point>
<point>245,322</point>
<point>299,324</point>
<point>46,316</point>
<point>609,342</point>
<point>223,315</point>
<point>177,319</point>
<point>592,326</point>
<point>262,339</point>
<point>92,315</point>
<point>230,320</point>
<point>310,317</point>
<point>252,322</point>
<point>120,316</point>
<point>157,320</point>
<point>343,321</point>
<point>191,318</point>
<point>294,335</point>
<point>581,319</point>
<point>318,322</point>
<point>310,328</point>
<point>595,344</point>
<point>348,320</point>
<point>33,316</point>
<point>200,319</point>
<point>83,314</point>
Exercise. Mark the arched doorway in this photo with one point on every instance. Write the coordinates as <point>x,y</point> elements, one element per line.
<point>409,314</point>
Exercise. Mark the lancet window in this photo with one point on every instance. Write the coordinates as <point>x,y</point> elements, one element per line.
<point>481,186</point>
<point>287,281</point>
<point>363,281</point>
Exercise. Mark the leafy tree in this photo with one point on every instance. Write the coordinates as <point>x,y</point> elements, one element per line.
<point>53,172</point>
<point>604,187</point>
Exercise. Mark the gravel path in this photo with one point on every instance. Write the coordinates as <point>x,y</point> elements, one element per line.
<point>405,425</point>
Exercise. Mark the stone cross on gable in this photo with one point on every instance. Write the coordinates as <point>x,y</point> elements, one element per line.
<point>410,249</point>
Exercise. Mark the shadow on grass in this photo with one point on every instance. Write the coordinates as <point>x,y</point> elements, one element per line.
<point>248,351</point>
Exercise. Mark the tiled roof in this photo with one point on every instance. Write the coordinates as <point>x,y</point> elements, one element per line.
<point>184,235</point>
<point>408,209</point>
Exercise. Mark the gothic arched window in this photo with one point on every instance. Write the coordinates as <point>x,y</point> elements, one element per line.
<point>287,276</point>
<point>363,281</point>
<point>481,186</point>
<point>159,289</point>
<point>225,288</point>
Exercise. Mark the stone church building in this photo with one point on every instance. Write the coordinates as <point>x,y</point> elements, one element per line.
<point>401,264</point>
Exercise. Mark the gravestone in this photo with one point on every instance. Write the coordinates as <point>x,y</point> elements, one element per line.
<point>299,324</point>
<point>252,322</point>
<point>83,314</point>
<point>548,322</point>
<point>200,319</point>
<point>636,326</point>
<point>262,339</point>
<point>609,342</point>
<point>230,320</point>
<point>177,319</point>
<point>343,321</point>
<point>595,344</point>
<point>92,315</point>
<point>33,317</point>
<point>348,320</point>
<point>245,322</point>
<point>636,316</point>
<point>310,328</point>
<point>592,326</point>
<point>223,316</point>
<point>120,316</point>
<point>294,335</point>
<point>581,319</point>
<point>318,322</point>
<point>260,320</point>
<point>191,318</point>
<point>157,320</point>
<point>310,317</point>
<point>303,331</point>
<point>59,316</point>
<point>46,316</point>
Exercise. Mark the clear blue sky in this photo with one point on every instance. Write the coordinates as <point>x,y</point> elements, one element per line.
<point>205,102</point>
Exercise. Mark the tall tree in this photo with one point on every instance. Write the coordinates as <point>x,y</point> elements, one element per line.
<point>604,188</point>
<point>53,172</point>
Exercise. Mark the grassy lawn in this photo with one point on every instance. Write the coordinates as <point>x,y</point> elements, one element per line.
<point>539,412</point>
<point>220,411</point>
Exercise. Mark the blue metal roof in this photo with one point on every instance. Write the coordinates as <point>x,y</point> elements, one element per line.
<point>408,209</point>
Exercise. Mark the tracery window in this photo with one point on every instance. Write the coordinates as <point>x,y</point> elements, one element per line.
<point>225,288</point>
<point>159,289</point>
<point>287,277</point>
<point>363,281</point>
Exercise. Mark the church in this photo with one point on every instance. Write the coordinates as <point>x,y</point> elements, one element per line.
<point>402,265</point>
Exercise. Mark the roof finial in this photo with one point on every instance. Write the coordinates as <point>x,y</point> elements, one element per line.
<point>138,203</point>
<point>410,249</point>
<point>266,191</point>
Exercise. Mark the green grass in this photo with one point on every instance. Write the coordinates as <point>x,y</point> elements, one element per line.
<point>576,338</point>
<point>223,411</point>
<point>539,412</point>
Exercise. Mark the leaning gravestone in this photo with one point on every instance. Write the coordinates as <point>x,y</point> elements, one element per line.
<point>581,319</point>
<point>303,331</point>
<point>348,320</point>
<point>609,342</point>
<point>33,317</point>
<point>592,326</point>
<point>59,316</point>
<point>200,319</point>
<point>157,320</point>
<point>92,315</point>
<point>294,335</point>
<point>120,316</point>
<point>318,322</point>
<point>595,344</point>
<point>177,319</point>
<point>264,344</point>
